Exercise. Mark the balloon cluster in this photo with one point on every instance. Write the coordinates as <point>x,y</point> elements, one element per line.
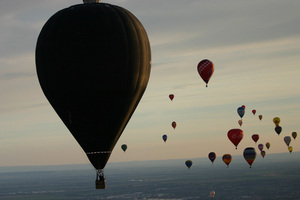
<point>236,135</point>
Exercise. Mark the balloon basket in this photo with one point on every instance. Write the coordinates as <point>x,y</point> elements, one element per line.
<point>100,180</point>
<point>100,184</point>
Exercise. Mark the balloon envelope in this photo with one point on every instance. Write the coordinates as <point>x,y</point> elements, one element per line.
<point>260,117</point>
<point>260,147</point>
<point>124,147</point>
<point>253,111</point>
<point>255,137</point>
<point>188,163</point>
<point>212,156</point>
<point>263,153</point>
<point>212,194</point>
<point>240,122</point>
<point>278,129</point>
<point>276,121</point>
<point>174,124</point>
<point>268,145</point>
<point>93,64</point>
<point>294,135</point>
<point>164,137</point>
<point>287,140</point>
<point>205,69</point>
<point>235,136</point>
<point>249,155</point>
<point>171,96</point>
<point>227,158</point>
<point>241,111</point>
<point>290,148</point>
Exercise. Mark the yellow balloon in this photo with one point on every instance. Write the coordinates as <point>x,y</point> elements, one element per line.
<point>276,121</point>
<point>290,149</point>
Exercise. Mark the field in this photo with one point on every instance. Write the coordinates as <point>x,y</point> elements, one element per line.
<point>274,177</point>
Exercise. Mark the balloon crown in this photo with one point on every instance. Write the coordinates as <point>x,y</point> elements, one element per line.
<point>91,1</point>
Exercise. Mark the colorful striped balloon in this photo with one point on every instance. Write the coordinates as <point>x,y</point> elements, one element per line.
<point>227,158</point>
<point>250,155</point>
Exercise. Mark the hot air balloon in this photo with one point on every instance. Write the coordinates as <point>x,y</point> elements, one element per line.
<point>227,158</point>
<point>290,148</point>
<point>253,111</point>
<point>278,129</point>
<point>260,147</point>
<point>164,137</point>
<point>93,63</point>
<point>276,121</point>
<point>294,135</point>
<point>235,136</point>
<point>124,147</point>
<point>263,153</point>
<point>255,137</point>
<point>240,122</point>
<point>249,155</point>
<point>212,194</point>
<point>205,69</point>
<point>287,140</point>
<point>212,157</point>
<point>188,163</point>
<point>268,145</point>
<point>260,117</point>
<point>171,96</point>
<point>241,111</point>
<point>243,106</point>
<point>174,124</point>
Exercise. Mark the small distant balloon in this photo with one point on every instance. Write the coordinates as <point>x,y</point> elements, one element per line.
<point>174,124</point>
<point>255,137</point>
<point>124,147</point>
<point>287,140</point>
<point>212,157</point>
<point>212,194</point>
<point>240,122</point>
<point>235,136</point>
<point>294,135</point>
<point>249,155</point>
<point>276,121</point>
<point>164,137</point>
<point>278,129</point>
<point>244,106</point>
<point>171,96</point>
<point>290,148</point>
<point>263,153</point>
<point>260,147</point>
<point>260,117</point>
<point>188,163</point>
<point>227,158</point>
<point>205,69</point>
<point>268,145</point>
<point>253,111</point>
<point>241,111</point>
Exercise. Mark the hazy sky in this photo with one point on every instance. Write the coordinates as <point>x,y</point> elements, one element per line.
<point>255,46</point>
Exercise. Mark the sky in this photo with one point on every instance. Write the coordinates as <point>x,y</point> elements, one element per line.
<point>254,45</point>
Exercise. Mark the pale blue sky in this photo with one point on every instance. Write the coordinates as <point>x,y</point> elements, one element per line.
<point>255,46</point>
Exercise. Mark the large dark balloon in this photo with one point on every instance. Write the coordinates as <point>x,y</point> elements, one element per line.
<point>93,64</point>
